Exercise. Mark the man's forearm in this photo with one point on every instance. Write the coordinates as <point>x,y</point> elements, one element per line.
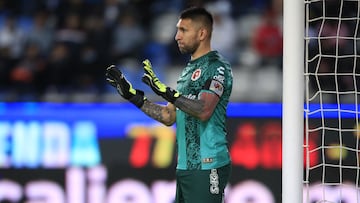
<point>201,108</point>
<point>159,112</point>
<point>193,107</point>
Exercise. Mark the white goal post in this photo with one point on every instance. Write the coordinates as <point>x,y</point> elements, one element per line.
<point>293,101</point>
<point>321,79</point>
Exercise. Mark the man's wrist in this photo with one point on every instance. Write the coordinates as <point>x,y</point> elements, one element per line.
<point>171,95</point>
<point>138,99</point>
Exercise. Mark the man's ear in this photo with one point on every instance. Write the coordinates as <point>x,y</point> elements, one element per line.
<point>203,33</point>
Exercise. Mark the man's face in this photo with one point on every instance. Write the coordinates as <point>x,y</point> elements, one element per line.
<point>187,36</point>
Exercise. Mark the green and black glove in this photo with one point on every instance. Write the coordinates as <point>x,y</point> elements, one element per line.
<point>117,79</point>
<point>158,87</point>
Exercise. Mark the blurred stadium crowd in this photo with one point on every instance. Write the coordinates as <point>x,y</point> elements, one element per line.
<point>58,50</point>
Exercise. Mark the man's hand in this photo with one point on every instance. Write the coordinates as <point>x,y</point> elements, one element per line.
<point>158,87</point>
<point>117,79</point>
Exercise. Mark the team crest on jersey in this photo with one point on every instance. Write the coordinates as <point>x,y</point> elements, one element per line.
<point>196,74</point>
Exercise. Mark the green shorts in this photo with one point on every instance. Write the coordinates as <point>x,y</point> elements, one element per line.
<point>202,186</point>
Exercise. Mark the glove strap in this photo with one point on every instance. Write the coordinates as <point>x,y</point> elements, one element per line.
<point>138,99</point>
<point>171,95</point>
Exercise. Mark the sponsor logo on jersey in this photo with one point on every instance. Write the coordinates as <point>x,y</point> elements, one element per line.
<point>196,74</point>
<point>191,96</point>
<point>221,70</point>
<point>216,87</point>
<point>219,78</point>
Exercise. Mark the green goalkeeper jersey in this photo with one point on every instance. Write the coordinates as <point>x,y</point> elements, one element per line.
<point>203,144</point>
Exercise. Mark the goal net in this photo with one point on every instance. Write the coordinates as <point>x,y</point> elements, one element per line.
<point>332,78</point>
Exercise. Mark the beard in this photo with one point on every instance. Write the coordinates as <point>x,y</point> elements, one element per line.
<point>189,49</point>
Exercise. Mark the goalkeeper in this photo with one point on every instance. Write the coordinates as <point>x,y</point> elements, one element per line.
<point>198,106</point>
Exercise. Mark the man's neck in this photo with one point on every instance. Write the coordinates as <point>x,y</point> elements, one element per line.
<point>201,51</point>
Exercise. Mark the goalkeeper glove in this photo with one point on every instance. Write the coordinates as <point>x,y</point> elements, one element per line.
<point>158,87</point>
<point>117,79</point>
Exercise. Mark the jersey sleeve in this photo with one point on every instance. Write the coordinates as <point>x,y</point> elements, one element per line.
<point>216,83</point>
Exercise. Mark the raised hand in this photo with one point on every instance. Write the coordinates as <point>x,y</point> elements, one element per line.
<point>156,85</point>
<point>117,79</point>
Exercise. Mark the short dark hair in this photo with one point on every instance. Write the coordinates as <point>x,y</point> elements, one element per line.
<point>198,14</point>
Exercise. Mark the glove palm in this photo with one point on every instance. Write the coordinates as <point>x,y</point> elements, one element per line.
<point>117,79</point>
<point>156,85</point>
